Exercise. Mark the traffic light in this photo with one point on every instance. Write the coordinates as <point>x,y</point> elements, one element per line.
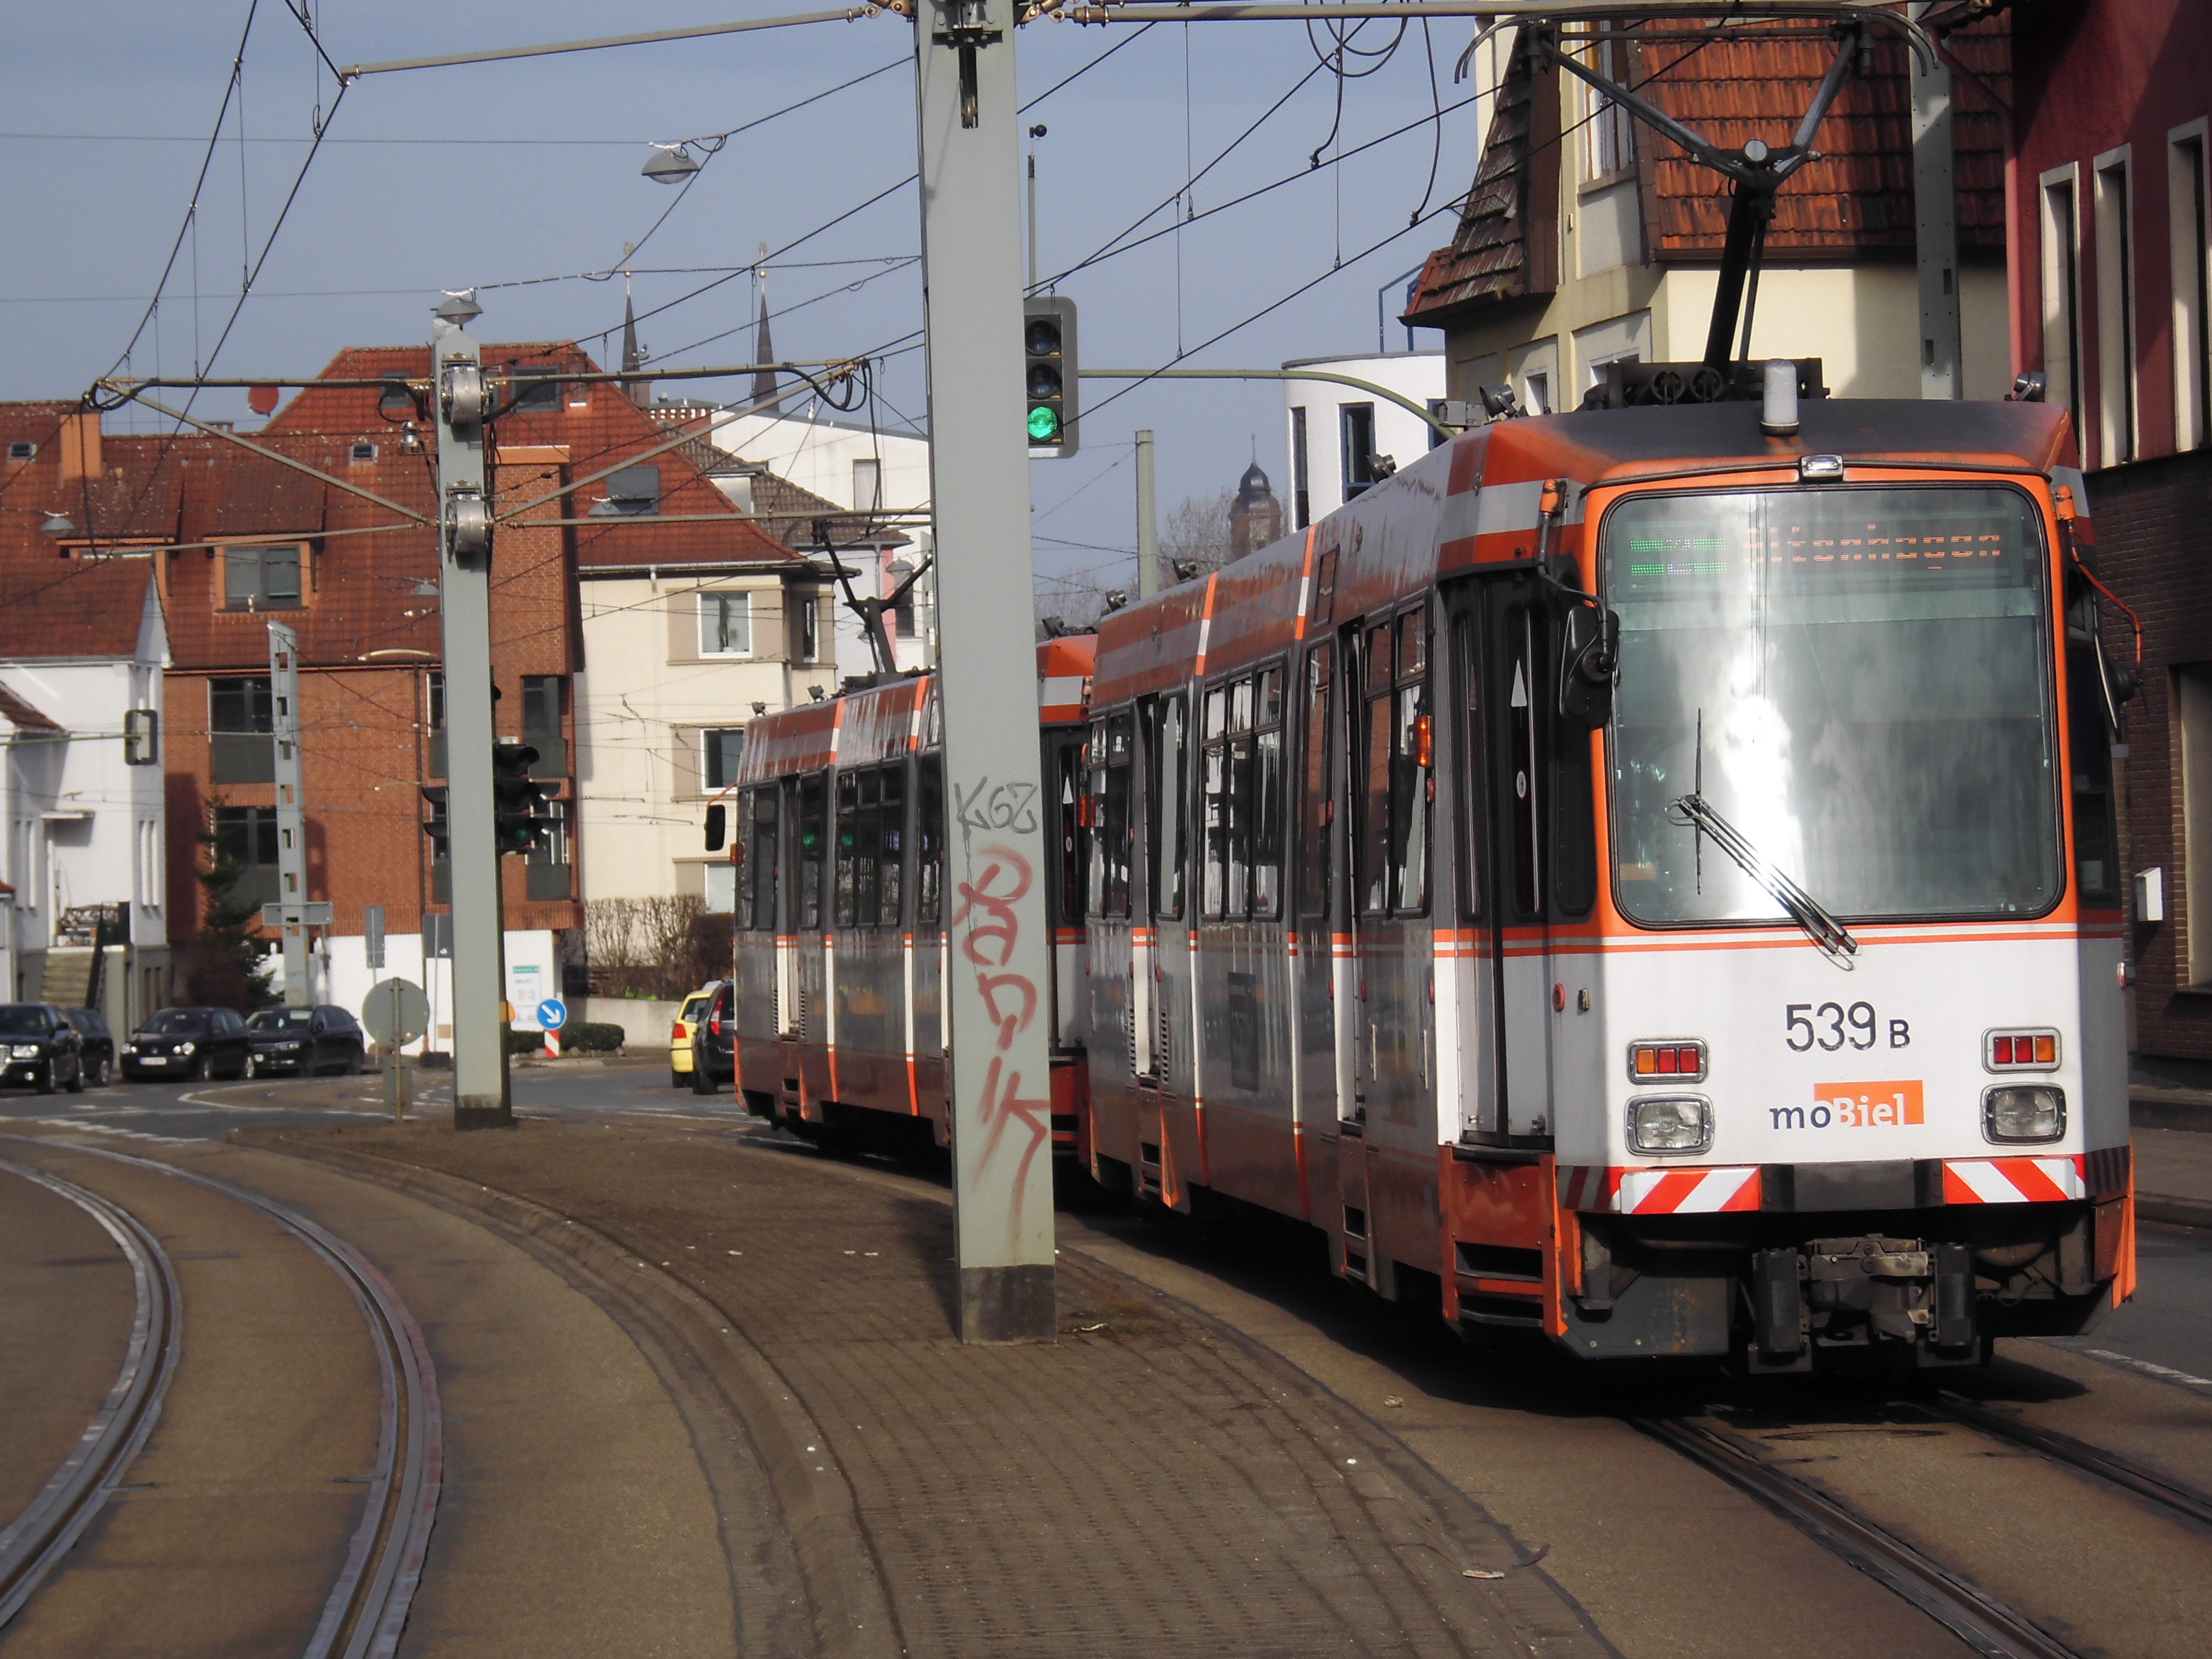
<point>1048,371</point>
<point>515,797</point>
<point>435,825</point>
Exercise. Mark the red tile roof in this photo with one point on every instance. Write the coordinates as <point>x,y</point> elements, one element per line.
<point>54,607</point>
<point>1855,202</point>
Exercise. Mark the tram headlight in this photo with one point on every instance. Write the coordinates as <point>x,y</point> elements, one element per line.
<point>2022,1112</point>
<point>1670,1123</point>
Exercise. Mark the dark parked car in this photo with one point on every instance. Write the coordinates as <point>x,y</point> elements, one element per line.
<point>304,1040</point>
<point>40,1047</point>
<point>99,1050</point>
<point>195,1043</point>
<point>714,1038</point>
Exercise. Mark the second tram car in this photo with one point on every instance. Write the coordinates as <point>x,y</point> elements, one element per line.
<point>1627,877</point>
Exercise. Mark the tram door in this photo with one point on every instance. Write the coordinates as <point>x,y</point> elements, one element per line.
<point>1523,858</point>
<point>788,1009</point>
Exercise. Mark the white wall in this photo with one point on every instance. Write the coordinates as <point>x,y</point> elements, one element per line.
<point>1398,434</point>
<point>340,973</point>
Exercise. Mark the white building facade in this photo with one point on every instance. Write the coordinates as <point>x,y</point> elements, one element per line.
<point>1341,438</point>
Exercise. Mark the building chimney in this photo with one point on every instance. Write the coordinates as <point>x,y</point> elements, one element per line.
<point>80,446</point>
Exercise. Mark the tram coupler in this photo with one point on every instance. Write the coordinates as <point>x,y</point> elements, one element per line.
<point>1777,1297</point>
<point>1836,1297</point>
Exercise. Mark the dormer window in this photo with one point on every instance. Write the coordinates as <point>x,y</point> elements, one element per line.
<point>261,578</point>
<point>362,454</point>
<point>21,451</point>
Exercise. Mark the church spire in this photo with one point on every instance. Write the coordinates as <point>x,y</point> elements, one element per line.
<point>765,398</point>
<point>633,357</point>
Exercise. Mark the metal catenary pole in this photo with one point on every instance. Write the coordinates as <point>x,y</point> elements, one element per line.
<point>1148,519</point>
<point>480,1095</point>
<point>1936,224</point>
<point>291,809</point>
<point>1000,1084</point>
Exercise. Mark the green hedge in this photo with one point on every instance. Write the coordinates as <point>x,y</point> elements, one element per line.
<point>578,1037</point>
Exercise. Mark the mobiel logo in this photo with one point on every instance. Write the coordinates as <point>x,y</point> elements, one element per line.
<point>1855,1106</point>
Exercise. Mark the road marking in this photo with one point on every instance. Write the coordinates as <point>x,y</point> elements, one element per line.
<point>2164,1373</point>
<point>80,1124</point>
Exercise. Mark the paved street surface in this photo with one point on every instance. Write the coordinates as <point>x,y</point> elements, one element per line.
<point>683,1351</point>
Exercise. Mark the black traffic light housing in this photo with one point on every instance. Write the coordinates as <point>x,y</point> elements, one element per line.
<point>1049,375</point>
<point>436,826</point>
<point>516,797</point>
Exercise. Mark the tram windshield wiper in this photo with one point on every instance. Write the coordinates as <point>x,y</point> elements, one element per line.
<point>1693,812</point>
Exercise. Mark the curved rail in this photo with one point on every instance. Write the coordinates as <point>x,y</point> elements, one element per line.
<point>367,1608</point>
<point>43,1533</point>
<point>1976,1617</point>
<point>2131,1477</point>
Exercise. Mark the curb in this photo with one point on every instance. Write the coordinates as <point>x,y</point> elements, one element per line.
<point>2176,1212</point>
<point>2169,1109</point>
<point>849,1598</point>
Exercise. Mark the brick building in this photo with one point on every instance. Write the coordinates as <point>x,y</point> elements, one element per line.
<point>236,538</point>
<point>2109,213</point>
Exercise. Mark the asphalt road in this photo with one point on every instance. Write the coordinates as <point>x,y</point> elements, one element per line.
<point>2165,1332</point>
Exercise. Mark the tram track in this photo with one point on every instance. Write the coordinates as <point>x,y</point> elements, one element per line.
<point>1971,1613</point>
<point>366,1607</point>
<point>50,1523</point>
<point>2171,1495</point>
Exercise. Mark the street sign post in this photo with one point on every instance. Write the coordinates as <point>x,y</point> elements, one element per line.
<point>552,1015</point>
<point>395,1012</point>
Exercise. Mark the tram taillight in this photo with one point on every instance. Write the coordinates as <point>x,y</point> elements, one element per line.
<point>2015,1051</point>
<point>1673,1060</point>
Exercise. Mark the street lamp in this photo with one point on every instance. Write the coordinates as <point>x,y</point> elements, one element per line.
<point>670,164</point>
<point>58,523</point>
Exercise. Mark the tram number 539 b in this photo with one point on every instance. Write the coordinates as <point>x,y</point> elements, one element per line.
<point>1830,1025</point>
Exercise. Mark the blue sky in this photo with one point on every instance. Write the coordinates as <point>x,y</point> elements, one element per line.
<point>109,104</point>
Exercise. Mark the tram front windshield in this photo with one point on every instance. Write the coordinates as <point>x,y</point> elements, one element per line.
<point>1858,679</point>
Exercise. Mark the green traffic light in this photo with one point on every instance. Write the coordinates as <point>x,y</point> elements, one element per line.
<point>1044,424</point>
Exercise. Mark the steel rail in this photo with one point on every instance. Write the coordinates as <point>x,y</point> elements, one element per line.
<point>2172,1496</point>
<point>49,1525</point>
<point>1971,1613</point>
<point>367,1608</point>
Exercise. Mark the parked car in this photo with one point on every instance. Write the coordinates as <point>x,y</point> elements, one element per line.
<point>98,1052</point>
<point>304,1040</point>
<point>679,1037</point>
<point>714,1039</point>
<point>40,1047</point>
<point>194,1044</point>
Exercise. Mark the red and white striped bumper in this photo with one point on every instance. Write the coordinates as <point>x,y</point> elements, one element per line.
<point>1659,1192</point>
<point>2015,1180</point>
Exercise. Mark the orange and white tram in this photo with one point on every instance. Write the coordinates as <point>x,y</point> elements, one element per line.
<point>838,840</point>
<point>1626,876</point>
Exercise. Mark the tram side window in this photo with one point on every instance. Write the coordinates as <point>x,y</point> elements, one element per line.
<point>813,837</point>
<point>890,876</point>
<point>871,824</point>
<point>756,882</point>
<point>2096,837</point>
<point>1166,793</point>
<point>1467,664</point>
<point>1244,796</point>
<point>929,842</point>
<point>1393,868</point>
<point>1109,757</point>
<point>1314,798</point>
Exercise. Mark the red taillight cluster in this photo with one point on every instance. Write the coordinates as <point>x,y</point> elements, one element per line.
<point>716,1024</point>
<point>676,1033</point>
<point>1651,1062</point>
<point>2011,1050</point>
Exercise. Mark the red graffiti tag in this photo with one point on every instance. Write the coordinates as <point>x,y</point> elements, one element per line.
<point>989,941</point>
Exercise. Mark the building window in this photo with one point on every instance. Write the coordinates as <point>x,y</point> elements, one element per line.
<point>20,451</point>
<point>1357,421</point>
<point>261,578</point>
<point>1301,486</point>
<point>725,624</point>
<point>545,698</point>
<point>1537,397</point>
<point>547,875</point>
<point>867,486</point>
<point>2189,231</point>
<point>246,837</point>
<point>633,492</point>
<point>241,714</point>
<point>1612,146</point>
<point>721,748</point>
<point>806,624</point>
<point>2062,293</point>
<point>534,386</point>
<point>361,453</point>
<point>2116,312</point>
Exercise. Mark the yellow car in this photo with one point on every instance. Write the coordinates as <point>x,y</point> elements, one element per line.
<point>679,1037</point>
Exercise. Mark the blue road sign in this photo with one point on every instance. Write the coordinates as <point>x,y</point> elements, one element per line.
<point>552,1014</point>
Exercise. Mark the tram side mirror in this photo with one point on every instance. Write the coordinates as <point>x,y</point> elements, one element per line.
<point>717,827</point>
<point>1590,661</point>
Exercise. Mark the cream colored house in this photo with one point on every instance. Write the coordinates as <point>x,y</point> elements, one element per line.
<point>678,660</point>
<point>1587,238</point>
